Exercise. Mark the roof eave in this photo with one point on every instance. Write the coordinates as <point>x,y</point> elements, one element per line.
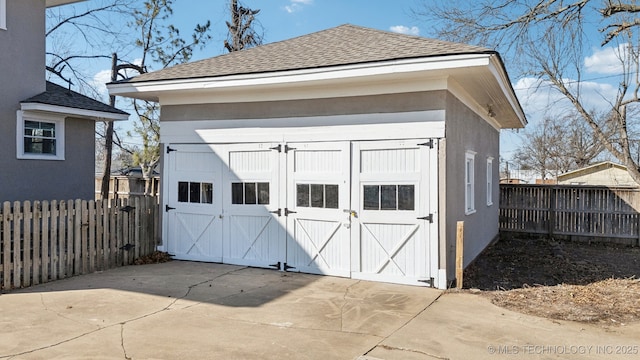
<point>68,111</point>
<point>53,3</point>
<point>149,90</point>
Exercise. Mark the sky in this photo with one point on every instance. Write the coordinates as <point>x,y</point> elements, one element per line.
<point>285,19</point>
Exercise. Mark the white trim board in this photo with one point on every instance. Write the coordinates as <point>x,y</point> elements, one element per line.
<point>424,124</point>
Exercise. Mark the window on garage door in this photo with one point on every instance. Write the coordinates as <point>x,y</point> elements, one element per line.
<point>195,192</point>
<point>389,197</point>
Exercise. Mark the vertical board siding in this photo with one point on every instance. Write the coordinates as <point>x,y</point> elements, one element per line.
<point>46,241</point>
<point>587,211</point>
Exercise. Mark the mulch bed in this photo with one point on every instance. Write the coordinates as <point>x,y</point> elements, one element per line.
<point>563,280</point>
<point>154,258</point>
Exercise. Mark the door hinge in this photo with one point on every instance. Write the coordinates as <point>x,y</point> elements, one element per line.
<point>167,208</point>
<point>279,212</point>
<point>286,267</point>
<point>287,212</point>
<point>276,265</point>
<point>287,148</point>
<point>427,281</point>
<point>428,218</point>
<point>170,149</point>
<point>277,148</point>
<point>428,143</point>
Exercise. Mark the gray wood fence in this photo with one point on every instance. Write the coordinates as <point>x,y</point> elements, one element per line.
<point>575,212</point>
<point>45,241</point>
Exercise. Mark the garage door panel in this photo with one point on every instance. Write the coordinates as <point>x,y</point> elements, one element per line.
<point>194,201</point>
<point>253,235</point>
<point>318,180</point>
<point>257,240</point>
<point>319,247</point>
<point>391,250</point>
<point>391,192</point>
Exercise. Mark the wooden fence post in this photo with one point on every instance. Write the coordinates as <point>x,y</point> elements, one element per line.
<point>26,245</point>
<point>36,238</point>
<point>17,239</point>
<point>6,246</point>
<point>46,260</point>
<point>552,209</point>
<point>459,253</point>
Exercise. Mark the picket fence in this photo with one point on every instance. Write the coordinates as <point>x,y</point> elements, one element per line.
<point>42,241</point>
<point>576,212</point>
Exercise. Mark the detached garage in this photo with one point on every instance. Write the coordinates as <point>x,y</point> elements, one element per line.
<point>348,152</point>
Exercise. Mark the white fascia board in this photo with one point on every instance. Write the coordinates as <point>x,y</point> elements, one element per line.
<point>328,74</point>
<point>52,3</point>
<point>68,111</point>
<point>500,74</point>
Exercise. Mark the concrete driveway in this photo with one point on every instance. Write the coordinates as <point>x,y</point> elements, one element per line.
<point>188,310</point>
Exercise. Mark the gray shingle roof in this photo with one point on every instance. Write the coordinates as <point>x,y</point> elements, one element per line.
<point>342,45</point>
<point>60,96</point>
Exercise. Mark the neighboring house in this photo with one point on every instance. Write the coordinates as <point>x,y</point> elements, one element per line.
<point>605,173</point>
<point>46,131</point>
<point>349,152</point>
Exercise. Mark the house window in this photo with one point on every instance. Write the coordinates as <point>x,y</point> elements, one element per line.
<point>250,193</point>
<point>195,192</point>
<point>3,14</point>
<point>469,176</point>
<point>489,181</point>
<point>40,137</point>
<point>389,197</point>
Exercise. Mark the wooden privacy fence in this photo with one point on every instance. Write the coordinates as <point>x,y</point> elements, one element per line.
<point>44,241</point>
<point>573,212</point>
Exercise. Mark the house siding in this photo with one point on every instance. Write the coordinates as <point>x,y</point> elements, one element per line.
<point>466,131</point>
<point>22,75</point>
<point>64,179</point>
<point>388,103</point>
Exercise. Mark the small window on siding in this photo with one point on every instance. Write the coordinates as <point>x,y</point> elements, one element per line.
<point>469,179</point>
<point>489,181</point>
<point>39,136</point>
<point>3,14</point>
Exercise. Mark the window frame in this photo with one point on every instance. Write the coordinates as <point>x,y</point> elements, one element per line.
<point>469,182</point>
<point>3,14</point>
<point>490,181</point>
<point>59,121</point>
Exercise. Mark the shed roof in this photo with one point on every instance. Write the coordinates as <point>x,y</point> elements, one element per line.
<point>342,45</point>
<point>604,165</point>
<point>57,95</point>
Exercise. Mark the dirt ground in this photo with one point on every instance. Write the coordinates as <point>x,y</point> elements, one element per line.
<point>564,280</point>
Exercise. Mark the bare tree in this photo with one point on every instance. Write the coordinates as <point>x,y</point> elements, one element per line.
<point>162,46</point>
<point>242,33</point>
<point>558,145</point>
<point>547,39</point>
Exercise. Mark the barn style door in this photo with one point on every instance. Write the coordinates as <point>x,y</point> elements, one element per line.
<point>318,208</point>
<point>253,233</point>
<point>391,190</point>
<point>194,206</point>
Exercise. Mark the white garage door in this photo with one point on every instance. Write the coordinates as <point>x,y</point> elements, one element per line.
<point>359,209</point>
<point>392,191</point>
<point>194,207</point>
<point>318,232</point>
<point>253,233</point>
